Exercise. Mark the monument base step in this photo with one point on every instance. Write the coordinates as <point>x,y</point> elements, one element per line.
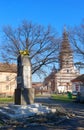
<point>22,111</point>
<point>24,96</point>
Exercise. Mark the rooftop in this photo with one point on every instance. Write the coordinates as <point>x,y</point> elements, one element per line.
<point>79,78</point>
<point>6,67</point>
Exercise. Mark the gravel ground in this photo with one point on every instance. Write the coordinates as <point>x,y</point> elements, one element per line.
<point>74,123</point>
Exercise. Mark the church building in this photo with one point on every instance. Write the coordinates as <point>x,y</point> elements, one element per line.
<point>60,80</point>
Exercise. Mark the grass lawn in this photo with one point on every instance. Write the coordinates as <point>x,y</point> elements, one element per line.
<point>59,97</point>
<point>63,97</point>
<point>6,99</point>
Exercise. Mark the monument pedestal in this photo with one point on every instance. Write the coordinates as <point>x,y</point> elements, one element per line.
<point>24,96</point>
<point>24,93</point>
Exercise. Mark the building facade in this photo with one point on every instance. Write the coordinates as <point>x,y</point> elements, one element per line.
<point>7,79</point>
<point>60,80</point>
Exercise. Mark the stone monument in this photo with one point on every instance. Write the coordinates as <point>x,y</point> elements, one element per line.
<point>24,93</point>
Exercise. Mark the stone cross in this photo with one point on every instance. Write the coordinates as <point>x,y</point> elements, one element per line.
<point>24,93</point>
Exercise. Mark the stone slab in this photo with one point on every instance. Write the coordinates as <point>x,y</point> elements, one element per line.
<point>21,111</point>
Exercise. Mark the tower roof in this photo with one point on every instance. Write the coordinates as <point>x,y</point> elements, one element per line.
<point>65,34</point>
<point>65,46</point>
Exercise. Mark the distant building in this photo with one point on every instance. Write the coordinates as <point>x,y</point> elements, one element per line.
<point>78,83</point>
<point>60,80</point>
<point>49,82</point>
<point>38,87</point>
<point>78,86</point>
<point>7,79</point>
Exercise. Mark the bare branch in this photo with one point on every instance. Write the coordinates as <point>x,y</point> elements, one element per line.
<point>42,43</point>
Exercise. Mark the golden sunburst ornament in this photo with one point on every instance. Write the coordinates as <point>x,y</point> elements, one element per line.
<point>24,52</point>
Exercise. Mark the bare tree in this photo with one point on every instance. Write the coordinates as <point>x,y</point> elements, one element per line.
<point>76,36</point>
<point>42,43</point>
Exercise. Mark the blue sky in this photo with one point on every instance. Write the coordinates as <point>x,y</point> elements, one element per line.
<point>54,12</point>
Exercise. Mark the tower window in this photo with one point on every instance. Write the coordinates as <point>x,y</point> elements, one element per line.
<point>67,71</point>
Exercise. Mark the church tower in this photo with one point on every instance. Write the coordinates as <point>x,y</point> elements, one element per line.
<point>65,56</point>
<point>67,70</point>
